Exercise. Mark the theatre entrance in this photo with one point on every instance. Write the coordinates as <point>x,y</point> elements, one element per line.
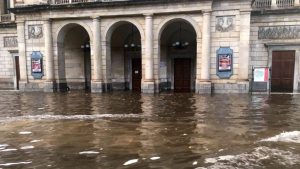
<point>182,75</point>
<point>283,65</point>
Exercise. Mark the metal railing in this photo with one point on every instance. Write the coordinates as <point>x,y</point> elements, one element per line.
<point>69,1</point>
<point>285,3</point>
<point>262,4</point>
<point>79,1</point>
<point>273,4</point>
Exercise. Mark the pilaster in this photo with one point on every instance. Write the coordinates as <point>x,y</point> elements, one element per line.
<point>148,83</point>
<point>204,84</point>
<point>22,54</point>
<point>49,84</point>
<point>97,78</point>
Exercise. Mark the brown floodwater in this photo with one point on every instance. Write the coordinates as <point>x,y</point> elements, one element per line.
<point>122,130</point>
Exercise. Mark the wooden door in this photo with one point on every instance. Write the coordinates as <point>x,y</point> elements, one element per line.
<point>87,69</point>
<point>283,65</point>
<point>182,75</point>
<point>17,70</point>
<point>136,74</point>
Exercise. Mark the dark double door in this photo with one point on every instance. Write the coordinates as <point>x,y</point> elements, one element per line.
<point>87,69</point>
<point>17,63</point>
<point>283,65</point>
<point>182,75</point>
<point>136,74</point>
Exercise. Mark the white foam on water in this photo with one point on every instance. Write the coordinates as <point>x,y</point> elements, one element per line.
<point>4,145</point>
<point>18,163</point>
<point>129,162</point>
<point>71,117</point>
<point>220,158</point>
<point>88,152</point>
<point>35,141</point>
<point>10,149</point>
<point>154,158</point>
<point>26,147</point>
<point>291,137</point>
<point>195,162</point>
<point>25,132</point>
<point>254,159</point>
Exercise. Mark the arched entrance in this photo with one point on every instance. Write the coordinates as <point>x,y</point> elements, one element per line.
<point>178,50</point>
<point>74,58</point>
<point>126,62</point>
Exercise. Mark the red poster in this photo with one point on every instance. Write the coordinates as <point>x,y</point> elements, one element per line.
<point>36,66</point>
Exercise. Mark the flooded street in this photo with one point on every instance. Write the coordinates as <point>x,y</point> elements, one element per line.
<point>123,130</point>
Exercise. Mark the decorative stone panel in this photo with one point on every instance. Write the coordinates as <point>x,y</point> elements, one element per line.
<point>225,23</point>
<point>10,41</point>
<point>35,31</point>
<point>279,32</point>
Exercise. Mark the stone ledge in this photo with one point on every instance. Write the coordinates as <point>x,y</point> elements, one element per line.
<point>203,87</point>
<point>97,87</point>
<point>239,87</point>
<point>28,87</point>
<point>148,87</point>
<point>49,87</point>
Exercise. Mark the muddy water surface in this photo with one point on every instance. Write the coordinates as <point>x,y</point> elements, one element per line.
<point>123,130</point>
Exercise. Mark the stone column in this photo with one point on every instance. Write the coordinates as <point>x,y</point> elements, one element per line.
<point>49,84</point>
<point>297,2</point>
<point>244,48</point>
<point>148,83</point>
<point>22,54</point>
<point>97,80</point>
<point>204,84</point>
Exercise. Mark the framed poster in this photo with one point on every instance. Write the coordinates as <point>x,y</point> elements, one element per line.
<point>260,79</point>
<point>224,62</point>
<point>37,65</point>
<point>261,74</point>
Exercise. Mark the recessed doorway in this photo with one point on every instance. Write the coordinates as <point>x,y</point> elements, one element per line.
<point>17,69</point>
<point>136,74</point>
<point>182,75</point>
<point>283,66</point>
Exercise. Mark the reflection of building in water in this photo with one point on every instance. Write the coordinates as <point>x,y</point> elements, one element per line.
<point>141,46</point>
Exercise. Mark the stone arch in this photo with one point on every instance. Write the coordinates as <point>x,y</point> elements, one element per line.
<point>63,29</point>
<point>107,35</point>
<point>59,40</point>
<point>158,35</point>
<point>113,25</point>
<point>161,27</point>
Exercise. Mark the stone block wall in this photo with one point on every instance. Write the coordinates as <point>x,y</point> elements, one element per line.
<point>8,50</point>
<point>225,32</point>
<point>263,45</point>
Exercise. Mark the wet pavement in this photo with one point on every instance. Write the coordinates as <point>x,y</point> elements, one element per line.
<point>123,130</point>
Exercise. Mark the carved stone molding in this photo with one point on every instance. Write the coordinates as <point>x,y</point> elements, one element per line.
<point>10,41</point>
<point>35,31</point>
<point>224,23</point>
<point>279,32</point>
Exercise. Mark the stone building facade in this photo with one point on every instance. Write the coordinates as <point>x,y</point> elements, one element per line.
<point>150,46</point>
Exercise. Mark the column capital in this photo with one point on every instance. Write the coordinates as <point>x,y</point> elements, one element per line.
<point>20,21</point>
<point>47,20</point>
<point>206,12</point>
<point>245,11</point>
<point>148,15</point>
<point>96,18</point>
